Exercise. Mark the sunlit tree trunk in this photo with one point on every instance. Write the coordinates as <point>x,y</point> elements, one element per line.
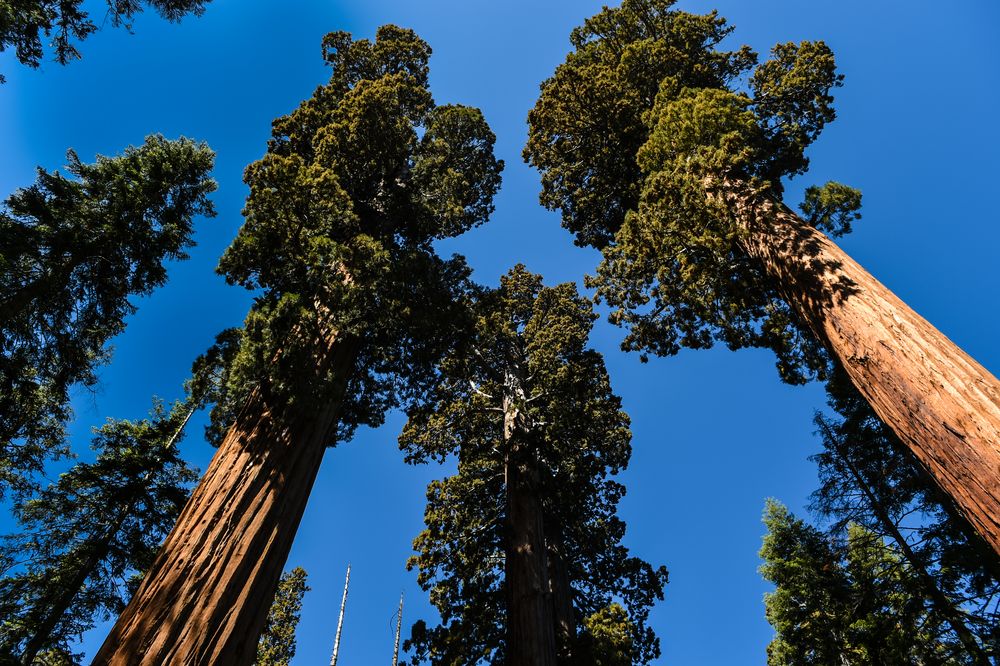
<point>205,599</point>
<point>940,402</point>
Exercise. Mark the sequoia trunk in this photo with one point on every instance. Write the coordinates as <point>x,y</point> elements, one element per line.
<point>940,402</point>
<point>530,625</point>
<point>562,599</point>
<point>205,599</point>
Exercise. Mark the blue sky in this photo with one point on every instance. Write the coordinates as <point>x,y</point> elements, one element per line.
<point>715,432</point>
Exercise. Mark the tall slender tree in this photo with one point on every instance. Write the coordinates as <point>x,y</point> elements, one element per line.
<point>276,646</point>
<point>88,537</point>
<point>869,479</point>
<point>522,553</point>
<point>853,600</point>
<point>73,251</point>
<point>63,23</point>
<point>354,308</point>
<point>668,154</point>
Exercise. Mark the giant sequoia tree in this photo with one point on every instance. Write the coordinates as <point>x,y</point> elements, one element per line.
<point>73,251</point>
<point>354,306</point>
<point>668,154</point>
<point>24,24</point>
<point>522,553</point>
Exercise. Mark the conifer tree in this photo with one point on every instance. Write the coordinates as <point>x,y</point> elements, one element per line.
<point>26,24</point>
<point>88,537</point>
<point>869,479</point>
<point>853,600</point>
<point>522,553</point>
<point>354,307</point>
<point>73,251</point>
<point>276,646</point>
<point>668,154</point>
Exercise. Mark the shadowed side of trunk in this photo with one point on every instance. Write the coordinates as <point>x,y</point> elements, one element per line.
<point>530,623</point>
<point>562,598</point>
<point>205,599</point>
<point>942,404</point>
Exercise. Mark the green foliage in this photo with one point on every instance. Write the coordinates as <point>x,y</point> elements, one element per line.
<point>23,23</point>
<point>898,577</point>
<point>640,133</point>
<point>88,536</point>
<point>811,599</point>
<point>73,250</point>
<point>276,646</point>
<point>851,601</point>
<point>869,478</point>
<point>343,209</point>
<point>591,117</point>
<point>832,208</point>
<point>218,380</point>
<point>607,637</point>
<point>526,358</point>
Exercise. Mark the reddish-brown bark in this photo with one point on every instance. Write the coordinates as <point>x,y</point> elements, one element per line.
<point>938,400</point>
<point>530,623</point>
<point>205,599</point>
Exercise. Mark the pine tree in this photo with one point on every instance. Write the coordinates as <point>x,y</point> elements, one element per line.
<point>852,601</point>
<point>88,537</point>
<point>73,251</point>
<point>668,154</point>
<point>276,646</point>
<point>354,307</point>
<point>522,553</point>
<point>63,23</point>
<point>869,479</point>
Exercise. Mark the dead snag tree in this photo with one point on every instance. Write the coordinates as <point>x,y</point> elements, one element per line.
<point>522,553</point>
<point>343,209</point>
<point>658,153</point>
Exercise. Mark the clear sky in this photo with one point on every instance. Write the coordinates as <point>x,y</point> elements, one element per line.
<point>715,432</point>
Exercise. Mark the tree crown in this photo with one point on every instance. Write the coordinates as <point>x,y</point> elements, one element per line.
<point>639,132</point>
<point>73,251</point>
<point>526,357</point>
<point>355,186</point>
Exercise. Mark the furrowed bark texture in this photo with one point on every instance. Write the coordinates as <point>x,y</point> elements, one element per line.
<point>205,599</point>
<point>561,594</point>
<point>938,400</point>
<point>530,623</point>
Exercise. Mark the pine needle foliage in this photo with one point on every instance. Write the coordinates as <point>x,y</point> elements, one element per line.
<point>868,478</point>
<point>26,25</point>
<point>276,646</point>
<point>88,537</point>
<point>851,600</point>
<point>74,250</point>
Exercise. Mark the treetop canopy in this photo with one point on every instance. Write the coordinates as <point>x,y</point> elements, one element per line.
<point>639,132</point>
<point>356,184</point>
